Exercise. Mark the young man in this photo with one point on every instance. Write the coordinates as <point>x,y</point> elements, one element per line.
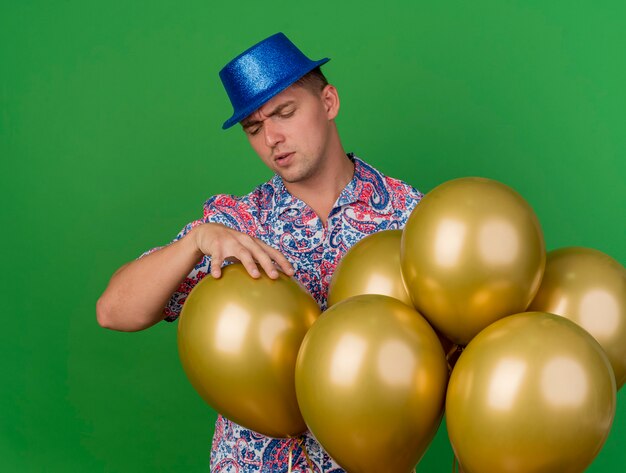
<point>319,203</point>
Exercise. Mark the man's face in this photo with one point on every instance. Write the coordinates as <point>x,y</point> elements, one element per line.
<point>291,132</point>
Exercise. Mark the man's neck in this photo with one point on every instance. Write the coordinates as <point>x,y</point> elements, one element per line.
<point>322,190</point>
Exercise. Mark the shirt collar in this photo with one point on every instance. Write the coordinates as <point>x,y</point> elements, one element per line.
<point>283,200</point>
<point>367,186</point>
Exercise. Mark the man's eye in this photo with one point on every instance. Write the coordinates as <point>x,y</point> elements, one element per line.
<point>254,131</point>
<point>287,114</point>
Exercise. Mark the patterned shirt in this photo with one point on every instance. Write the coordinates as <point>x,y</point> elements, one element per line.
<point>371,202</point>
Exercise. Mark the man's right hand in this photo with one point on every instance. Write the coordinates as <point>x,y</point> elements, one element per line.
<point>138,291</point>
<point>222,243</point>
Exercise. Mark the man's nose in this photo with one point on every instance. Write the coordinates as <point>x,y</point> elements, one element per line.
<point>273,134</point>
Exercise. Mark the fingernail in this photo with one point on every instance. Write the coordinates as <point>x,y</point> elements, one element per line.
<point>274,274</point>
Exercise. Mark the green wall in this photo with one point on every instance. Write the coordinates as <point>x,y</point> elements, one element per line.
<point>110,141</point>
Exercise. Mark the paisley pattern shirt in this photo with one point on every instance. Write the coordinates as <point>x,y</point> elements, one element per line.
<point>371,202</point>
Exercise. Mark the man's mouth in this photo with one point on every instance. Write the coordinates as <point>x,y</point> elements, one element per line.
<point>282,158</point>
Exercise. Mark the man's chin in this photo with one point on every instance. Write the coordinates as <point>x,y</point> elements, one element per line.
<point>293,174</point>
<point>289,177</point>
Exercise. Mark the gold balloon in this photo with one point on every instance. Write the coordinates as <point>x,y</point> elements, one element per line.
<point>371,266</point>
<point>370,379</point>
<point>238,340</point>
<point>532,393</point>
<point>589,288</point>
<point>472,252</point>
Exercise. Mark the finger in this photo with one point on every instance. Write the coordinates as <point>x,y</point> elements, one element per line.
<point>280,259</point>
<point>265,261</point>
<point>261,256</point>
<point>247,260</point>
<point>216,266</point>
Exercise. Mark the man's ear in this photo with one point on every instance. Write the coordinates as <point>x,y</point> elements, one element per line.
<point>330,98</point>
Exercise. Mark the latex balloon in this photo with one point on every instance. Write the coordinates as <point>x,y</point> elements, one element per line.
<point>532,393</point>
<point>589,288</point>
<point>238,339</point>
<point>371,266</point>
<point>472,252</point>
<point>370,379</point>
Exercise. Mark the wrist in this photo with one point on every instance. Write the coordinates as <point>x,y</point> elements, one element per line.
<point>193,239</point>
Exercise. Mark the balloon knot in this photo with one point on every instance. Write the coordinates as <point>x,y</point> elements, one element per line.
<point>295,443</point>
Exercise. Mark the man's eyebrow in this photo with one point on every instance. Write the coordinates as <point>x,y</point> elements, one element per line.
<point>278,109</point>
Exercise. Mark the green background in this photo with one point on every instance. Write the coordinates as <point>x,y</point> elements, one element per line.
<point>111,140</point>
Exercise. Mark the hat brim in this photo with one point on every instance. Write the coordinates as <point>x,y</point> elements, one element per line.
<point>271,92</point>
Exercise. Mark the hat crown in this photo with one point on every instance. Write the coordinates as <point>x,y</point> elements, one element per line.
<point>261,72</point>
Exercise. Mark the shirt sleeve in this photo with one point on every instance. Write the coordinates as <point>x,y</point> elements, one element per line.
<point>199,271</point>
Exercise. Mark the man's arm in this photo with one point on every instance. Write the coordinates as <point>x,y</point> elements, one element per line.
<point>138,291</point>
